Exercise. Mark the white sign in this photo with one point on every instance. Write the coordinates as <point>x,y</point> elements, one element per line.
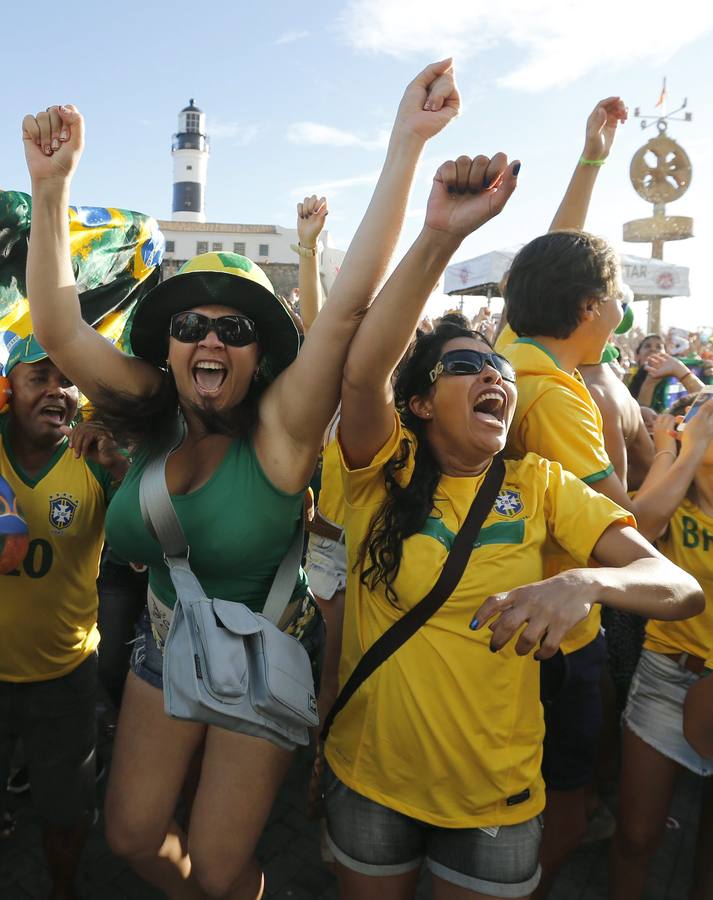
<point>646,277</point>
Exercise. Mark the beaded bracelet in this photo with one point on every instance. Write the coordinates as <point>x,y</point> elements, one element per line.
<point>591,162</point>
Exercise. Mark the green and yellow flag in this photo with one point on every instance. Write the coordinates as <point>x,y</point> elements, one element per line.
<point>116,257</point>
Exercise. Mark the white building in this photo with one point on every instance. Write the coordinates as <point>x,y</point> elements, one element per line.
<point>188,233</point>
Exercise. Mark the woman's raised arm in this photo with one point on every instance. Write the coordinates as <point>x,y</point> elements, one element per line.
<point>599,136</point>
<point>465,194</point>
<point>53,143</point>
<point>298,406</point>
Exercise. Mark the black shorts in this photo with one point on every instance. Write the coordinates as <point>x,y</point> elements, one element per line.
<point>573,720</point>
<point>56,721</point>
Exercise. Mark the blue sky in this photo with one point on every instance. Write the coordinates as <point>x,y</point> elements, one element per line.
<point>300,97</point>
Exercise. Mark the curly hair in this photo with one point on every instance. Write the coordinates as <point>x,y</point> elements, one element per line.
<point>406,507</point>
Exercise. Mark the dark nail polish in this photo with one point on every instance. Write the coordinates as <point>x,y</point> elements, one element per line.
<point>486,183</point>
<point>473,624</point>
<point>493,649</point>
<point>516,169</point>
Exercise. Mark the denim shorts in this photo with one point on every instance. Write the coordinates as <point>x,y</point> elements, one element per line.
<point>654,711</point>
<point>307,627</point>
<point>372,839</point>
<point>326,566</point>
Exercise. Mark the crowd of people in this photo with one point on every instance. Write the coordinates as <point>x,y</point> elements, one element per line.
<point>501,514</point>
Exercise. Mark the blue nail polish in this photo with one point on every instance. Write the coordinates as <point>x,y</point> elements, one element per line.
<point>474,624</point>
<point>516,169</point>
<point>486,183</point>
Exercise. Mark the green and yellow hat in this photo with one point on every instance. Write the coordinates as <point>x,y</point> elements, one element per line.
<point>23,350</point>
<point>227,279</point>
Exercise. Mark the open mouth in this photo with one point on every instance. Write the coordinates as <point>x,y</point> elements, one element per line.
<point>54,413</point>
<point>490,408</point>
<point>209,376</point>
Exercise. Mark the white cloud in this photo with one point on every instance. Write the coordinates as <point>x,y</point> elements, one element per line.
<point>239,133</point>
<point>289,37</point>
<point>326,135</point>
<point>559,40</point>
<point>330,189</point>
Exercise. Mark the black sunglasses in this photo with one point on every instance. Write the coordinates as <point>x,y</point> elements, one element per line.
<point>235,330</point>
<point>471,362</point>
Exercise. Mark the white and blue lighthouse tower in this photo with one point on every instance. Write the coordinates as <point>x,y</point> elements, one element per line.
<point>190,150</point>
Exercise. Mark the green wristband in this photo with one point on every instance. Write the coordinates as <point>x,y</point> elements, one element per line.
<point>591,162</point>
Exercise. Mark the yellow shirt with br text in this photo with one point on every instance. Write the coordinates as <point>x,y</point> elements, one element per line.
<point>446,731</point>
<point>689,544</point>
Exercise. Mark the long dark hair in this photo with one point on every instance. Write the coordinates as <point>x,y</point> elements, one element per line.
<point>147,421</point>
<point>406,508</point>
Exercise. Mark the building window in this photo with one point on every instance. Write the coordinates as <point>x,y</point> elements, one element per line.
<point>193,121</point>
<point>189,168</point>
<point>217,245</point>
<point>239,247</point>
<point>201,246</point>
<point>264,250</point>
<point>170,246</point>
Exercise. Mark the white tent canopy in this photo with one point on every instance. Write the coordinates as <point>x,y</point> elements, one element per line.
<point>646,277</point>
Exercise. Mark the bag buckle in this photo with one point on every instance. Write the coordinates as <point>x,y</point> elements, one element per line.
<point>185,557</point>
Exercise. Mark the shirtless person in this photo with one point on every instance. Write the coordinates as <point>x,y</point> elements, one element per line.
<point>626,437</point>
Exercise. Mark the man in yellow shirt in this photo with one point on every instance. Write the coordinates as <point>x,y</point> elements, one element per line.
<point>564,295</point>
<point>48,612</point>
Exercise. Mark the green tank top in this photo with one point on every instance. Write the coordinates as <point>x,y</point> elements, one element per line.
<point>238,526</point>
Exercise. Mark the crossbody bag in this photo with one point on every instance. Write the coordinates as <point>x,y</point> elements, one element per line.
<point>223,664</point>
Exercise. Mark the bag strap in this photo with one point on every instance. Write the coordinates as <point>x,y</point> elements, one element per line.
<point>161,520</point>
<point>451,574</point>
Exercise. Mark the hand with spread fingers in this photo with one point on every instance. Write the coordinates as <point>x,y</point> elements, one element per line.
<point>53,142</point>
<point>468,192</point>
<point>430,101</point>
<point>311,214</point>
<point>539,614</point>
<point>602,125</point>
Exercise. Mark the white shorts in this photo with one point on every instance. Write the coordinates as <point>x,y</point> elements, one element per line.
<point>326,566</point>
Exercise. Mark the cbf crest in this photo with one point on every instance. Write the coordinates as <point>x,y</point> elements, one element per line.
<point>62,509</point>
<point>508,503</point>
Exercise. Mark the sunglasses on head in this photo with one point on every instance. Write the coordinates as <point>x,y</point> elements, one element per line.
<point>471,362</point>
<point>234,330</point>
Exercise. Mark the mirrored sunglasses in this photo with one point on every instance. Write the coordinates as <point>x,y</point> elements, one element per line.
<point>471,362</point>
<point>234,330</point>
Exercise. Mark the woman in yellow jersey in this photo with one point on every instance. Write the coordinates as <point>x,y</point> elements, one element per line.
<point>437,756</point>
<point>655,746</point>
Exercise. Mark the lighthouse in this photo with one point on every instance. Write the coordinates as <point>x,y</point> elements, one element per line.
<point>190,151</point>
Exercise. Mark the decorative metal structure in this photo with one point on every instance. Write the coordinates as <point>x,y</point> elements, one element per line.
<point>660,172</point>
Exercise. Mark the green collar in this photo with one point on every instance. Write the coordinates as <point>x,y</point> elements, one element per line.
<point>539,346</point>
<point>33,480</point>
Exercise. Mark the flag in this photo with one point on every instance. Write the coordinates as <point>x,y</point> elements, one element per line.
<point>662,95</point>
<point>116,257</point>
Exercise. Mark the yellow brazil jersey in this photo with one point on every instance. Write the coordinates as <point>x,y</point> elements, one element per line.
<point>556,418</point>
<point>689,544</point>
<point>446,731</point>
<point>331,493</point>
<point>48,606</point>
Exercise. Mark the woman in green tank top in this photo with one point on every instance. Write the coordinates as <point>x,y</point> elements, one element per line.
<point>215,341</point>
